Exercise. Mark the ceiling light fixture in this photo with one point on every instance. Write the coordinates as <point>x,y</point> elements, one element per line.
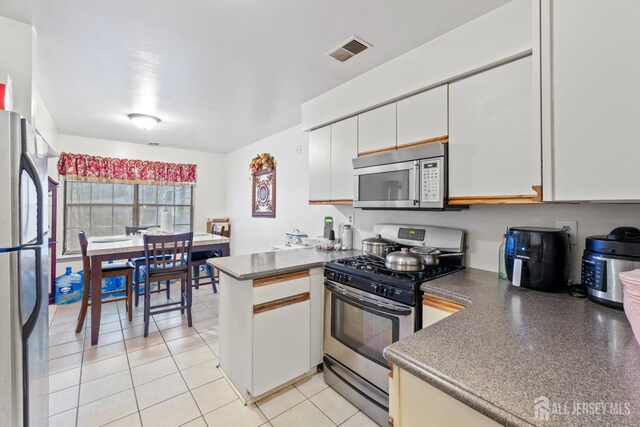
<point>143,121</point>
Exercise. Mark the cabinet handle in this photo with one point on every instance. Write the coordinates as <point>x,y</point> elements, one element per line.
<point>280,278</point>
<point>441,304</point>
<point>282,302</point>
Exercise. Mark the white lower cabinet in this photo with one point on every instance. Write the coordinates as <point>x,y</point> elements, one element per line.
<point>435,309</point>
<point>414,402</point>
<point>266,330</point>
<point>494,148</point>
<point>279,350</point>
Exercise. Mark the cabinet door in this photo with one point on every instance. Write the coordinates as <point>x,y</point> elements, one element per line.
<point>415,401</point>
<point>344,147</point>
<point>435,309</point>
<point>423,116</point>
<point>377,129</point>
<point>592,77</point>
<point>493,149</point>
<point>320,164</point>
<point>280,346</point>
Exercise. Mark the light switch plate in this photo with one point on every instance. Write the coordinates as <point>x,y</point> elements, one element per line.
<point>571,227</point>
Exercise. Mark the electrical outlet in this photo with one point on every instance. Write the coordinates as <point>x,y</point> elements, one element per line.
<point>351,219</point>
<point>571,227</point>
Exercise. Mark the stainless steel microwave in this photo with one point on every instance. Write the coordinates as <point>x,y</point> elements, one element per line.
<point>414,178</point>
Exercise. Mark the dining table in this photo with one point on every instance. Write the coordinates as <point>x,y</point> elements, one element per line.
<point>114,248</point>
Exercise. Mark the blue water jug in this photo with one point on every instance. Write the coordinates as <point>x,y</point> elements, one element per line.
<point>119,285</point>
<point>68,287</point>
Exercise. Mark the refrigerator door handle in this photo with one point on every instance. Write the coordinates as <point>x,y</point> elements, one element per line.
<point>30,324</point>
<point>27,165</point>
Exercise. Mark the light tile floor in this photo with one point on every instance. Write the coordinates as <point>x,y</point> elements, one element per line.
<point>169,378</point>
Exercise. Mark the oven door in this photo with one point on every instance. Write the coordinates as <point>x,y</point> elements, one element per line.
<point>394,185</point>
<point>359,325</point>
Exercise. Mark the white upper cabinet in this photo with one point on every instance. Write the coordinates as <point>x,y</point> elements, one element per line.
<point>377,129</point>
<point>320,164</point>
<point>344,147</point>
<point>591,100</point>
<point>422,117</point>
<point>494,152</point>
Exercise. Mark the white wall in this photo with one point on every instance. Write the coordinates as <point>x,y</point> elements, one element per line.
<point>250,235</point>
<point>485,225</point>
<point>209,189</point>
<point>17,50</point>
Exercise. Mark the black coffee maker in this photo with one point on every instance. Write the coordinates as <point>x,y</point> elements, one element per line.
<point>538,258</point>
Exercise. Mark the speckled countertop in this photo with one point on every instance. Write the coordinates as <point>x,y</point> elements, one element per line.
<point>265,264</point>
<point>511,345</point>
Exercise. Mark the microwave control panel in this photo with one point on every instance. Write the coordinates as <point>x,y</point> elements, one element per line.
<point>430,178</point>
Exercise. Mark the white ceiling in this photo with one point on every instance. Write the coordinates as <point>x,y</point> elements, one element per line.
<point>219,73</point>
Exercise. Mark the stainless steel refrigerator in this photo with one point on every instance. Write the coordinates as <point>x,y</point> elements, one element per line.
<point>24,318</point>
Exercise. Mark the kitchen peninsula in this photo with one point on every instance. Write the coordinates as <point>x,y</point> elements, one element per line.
<point>271,317</point>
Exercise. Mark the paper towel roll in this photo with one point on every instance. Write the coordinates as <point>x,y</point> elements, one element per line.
<point>166,222</point>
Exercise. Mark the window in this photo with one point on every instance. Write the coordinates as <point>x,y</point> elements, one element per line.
<point>105,209</point>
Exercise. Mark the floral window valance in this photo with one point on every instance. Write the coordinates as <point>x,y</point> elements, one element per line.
<point>84,167</point>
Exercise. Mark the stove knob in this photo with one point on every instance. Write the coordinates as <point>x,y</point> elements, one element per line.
<point>390,293</point>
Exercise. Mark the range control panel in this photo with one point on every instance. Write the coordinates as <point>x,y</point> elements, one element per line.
<point>594,274</point>
<point>417,234</point>
<point>430,172</point>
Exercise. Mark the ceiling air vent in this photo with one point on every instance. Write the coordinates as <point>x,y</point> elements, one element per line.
<point>348,49</point>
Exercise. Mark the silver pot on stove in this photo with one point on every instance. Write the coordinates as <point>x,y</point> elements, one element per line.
<point>404,260</point>
<point>431,256</point>
<point>378,246</point>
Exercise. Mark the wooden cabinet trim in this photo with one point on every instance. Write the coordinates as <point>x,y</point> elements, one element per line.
<point>499,200</point>
<point>280,278</point>
<point>444,139</point>
<point>331,202</point>
<point>437,140</point>
<point>441,304</point>
<point>282,302</point>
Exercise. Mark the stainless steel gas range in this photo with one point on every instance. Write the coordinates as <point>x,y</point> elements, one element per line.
<point>368,307</point>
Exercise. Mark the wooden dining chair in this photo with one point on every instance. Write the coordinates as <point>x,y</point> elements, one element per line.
<point>108,270</point>
<point>200,258</point>
<point>139,262</point>
<point>168,257</point>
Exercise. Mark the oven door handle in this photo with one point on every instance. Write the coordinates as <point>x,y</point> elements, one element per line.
<point>367,302</point>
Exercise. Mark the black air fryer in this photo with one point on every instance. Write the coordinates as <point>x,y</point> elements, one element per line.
<point>538,258</point>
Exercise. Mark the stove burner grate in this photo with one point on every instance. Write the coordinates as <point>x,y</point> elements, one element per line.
<point>376,265</point>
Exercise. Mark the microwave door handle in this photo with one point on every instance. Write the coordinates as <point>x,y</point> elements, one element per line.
<point>416,187</point>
